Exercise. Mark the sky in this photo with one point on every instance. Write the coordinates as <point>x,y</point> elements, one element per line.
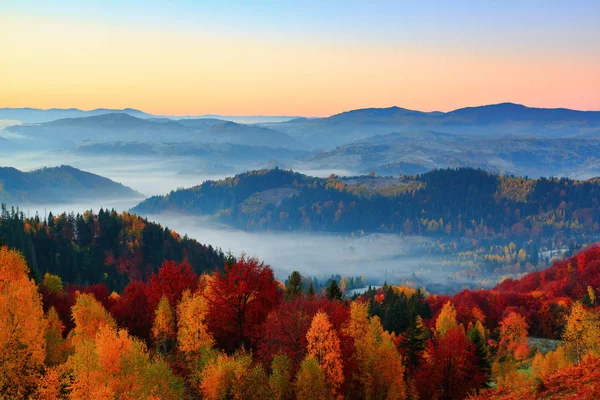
<point>312,58</point>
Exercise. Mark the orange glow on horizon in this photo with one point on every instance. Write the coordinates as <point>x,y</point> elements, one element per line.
<point>188,73</point>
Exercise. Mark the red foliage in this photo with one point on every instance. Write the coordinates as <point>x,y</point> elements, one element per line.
<point>542,297</point>
<point>284,330</point>
<point>449,369</point>
<point>62,303</point>
<point>131,310</point>
<point>565,278</point>
<point>239,301</point>
<point>171,281</point>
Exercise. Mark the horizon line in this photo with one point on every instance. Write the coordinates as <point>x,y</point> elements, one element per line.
<point>208,114</point>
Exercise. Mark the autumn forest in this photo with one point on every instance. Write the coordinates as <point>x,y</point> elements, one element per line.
<point>299,200</point>
<point>213,326</point>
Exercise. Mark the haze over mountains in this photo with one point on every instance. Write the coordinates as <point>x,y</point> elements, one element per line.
<point>488,121</point>
<point>122,126</point>
<point>36,115</point>
<point>502,138</point>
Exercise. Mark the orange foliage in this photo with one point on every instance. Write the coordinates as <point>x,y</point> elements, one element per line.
<point>324,346</point>
<point>513,337</point>
<point>22,327</point>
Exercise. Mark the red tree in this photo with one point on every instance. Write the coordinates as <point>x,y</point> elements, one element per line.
<point>239,300</point>
<point>171,281</point>
<point>131,310</point>
<point>449,370</point>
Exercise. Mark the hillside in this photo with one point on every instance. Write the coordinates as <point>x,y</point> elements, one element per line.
<point>104,248</point>
<point>410,152</point>
<point>58,184</point>
<point>463,202</point>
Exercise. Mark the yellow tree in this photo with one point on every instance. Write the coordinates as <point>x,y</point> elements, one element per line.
<point>163,329</point>
<point>550,363</point>
<point>311,381</point>
<point>447,319</point>
<point>52,283</point>
<point>192,331</point>
<point>280,379</point>
<point>582,333</point>
<point>324,346</point>
<point>22,327</point>
<point>234,377</point>
<point>381,370</point>
<point>56,352</point>
<point>89,316</point>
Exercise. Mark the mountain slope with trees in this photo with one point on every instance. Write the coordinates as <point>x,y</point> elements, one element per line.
<point>104,248</point>
<point>445,203</point>
<point>58,184</point>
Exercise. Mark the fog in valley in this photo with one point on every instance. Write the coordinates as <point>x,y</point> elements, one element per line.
<point>379,257</point>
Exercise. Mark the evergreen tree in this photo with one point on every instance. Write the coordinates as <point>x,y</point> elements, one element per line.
<point>333,291</point>
<point>413,341</point>
<point>482,352</point>
<point>294,284</point>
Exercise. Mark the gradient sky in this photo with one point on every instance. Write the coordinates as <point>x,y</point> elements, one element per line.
<point>310,58</point>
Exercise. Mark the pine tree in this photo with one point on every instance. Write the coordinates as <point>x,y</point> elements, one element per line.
<point>414,341</point>
<point>294,284</point>
<point>482,351</point>
<point>333,291</point>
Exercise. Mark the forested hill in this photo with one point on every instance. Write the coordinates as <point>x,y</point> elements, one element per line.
<point>107,247</point>
<point>57,184</point>
<point>452,202</point>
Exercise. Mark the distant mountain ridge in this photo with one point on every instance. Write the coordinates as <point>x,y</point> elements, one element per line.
<point>36,115</point>
<point>58,184</point>
<point>68,132</point>
<point>411,152</point>
<point>505,119</point>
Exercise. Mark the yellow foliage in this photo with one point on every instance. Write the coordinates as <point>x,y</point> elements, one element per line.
<point>447,319</point>
<point>582,333</point>
<point>164,322</point>
<point>310,381</point>
<point>234,377</point>
<point>381,371</point>
<point>192,332</point>
<point>407,291</point>
<point>89,316</point>
<point>52,283</point>
<point>56,349</point>
<point>545,365</point>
